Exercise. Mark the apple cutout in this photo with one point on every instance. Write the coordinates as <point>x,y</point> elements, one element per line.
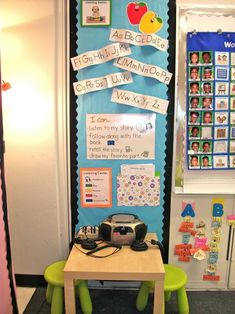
<point>150,23</point>
<point>135,11</point>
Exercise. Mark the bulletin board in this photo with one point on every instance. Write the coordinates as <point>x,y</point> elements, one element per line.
<point>121,90</point>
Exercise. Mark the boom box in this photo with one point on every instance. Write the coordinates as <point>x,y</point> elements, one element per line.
<point>122,229</point>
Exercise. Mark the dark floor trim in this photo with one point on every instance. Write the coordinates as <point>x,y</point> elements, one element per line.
<point>30,280</point>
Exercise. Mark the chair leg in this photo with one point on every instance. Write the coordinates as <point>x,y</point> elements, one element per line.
<point>143,295</point>
<point>84,296</point>
<point>57,304</point>
<point>49,293</point>
<point>167,295</point>
<point>182,301</point>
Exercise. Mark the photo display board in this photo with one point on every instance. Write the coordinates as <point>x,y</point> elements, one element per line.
<point>210,100</point>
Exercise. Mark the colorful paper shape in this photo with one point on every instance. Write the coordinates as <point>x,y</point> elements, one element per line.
<point>135,11</point>
<point>150,23</point>
<point>218,205</point>
<point>188,211</point>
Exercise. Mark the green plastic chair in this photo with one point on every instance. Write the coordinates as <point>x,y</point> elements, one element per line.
<point>175,281</point>
<point>54,276</point>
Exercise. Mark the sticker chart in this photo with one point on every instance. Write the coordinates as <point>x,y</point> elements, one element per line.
<point>210,101</point>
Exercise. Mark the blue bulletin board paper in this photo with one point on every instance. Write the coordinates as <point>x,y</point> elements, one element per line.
<point>90,38</point>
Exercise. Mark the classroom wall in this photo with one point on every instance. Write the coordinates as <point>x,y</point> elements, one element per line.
<point>34,116</point>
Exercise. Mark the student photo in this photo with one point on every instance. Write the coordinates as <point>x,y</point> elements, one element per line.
<point>194,117</point>
<point>194,132</point>
<point>206,57</point>
<point>207,88</point>
<point>207,73</point>
<point>207,103</point>
<point>194,88</point>
<point>206,147</point>
<point>194,103</point>
<point>206,161</point>
<point>194,57</point>
<point>207,117</point>
<point>194,161</point>
<point>195,146</point>
<point>194,73</point>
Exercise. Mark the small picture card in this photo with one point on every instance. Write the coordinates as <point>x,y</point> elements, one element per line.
<point>194,147</point>
<point>207,88</point>
<point>194,132</point>
<point>194,88</point>
<point>221,58</point>
<point>194,117</point>
<point>221,103</point>
<point>220,161</point>
<point>194,162</point>
<point>232,131</point>
<point>206,132</point>
<point>194,73</point>
<point>221,117</point>
<point>222,73</point>
<point>221,132</point>
<point>232,74</point>
<point>232,161</point>
<point>95,13</point>
<point>206,161</point>
<point>232,103</point>
<point>206,57</point>
<point>232,88</point>
<point>194,103</point>
<point>207,73</point>
<point>232,55</point>
<point>221,88</point>
<point>232,117</point>
<point>220,147</point>
<point>206,147</point>
<point>232,146</point>
<point>193,58</point>
<point>207,117</point>
<point>207,103</point>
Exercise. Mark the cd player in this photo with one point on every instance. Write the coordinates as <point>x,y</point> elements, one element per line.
<point>122,229</point>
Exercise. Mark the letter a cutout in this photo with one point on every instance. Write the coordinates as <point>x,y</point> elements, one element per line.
<point>188,211</point>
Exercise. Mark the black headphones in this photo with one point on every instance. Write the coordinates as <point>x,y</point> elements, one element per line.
<point>88,244</point>
<point>140,245</point>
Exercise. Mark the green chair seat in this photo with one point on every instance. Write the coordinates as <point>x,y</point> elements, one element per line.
<point>54,276</point>
<point>175,281</point>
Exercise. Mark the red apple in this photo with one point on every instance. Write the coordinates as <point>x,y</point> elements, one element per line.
<point>135,11</point>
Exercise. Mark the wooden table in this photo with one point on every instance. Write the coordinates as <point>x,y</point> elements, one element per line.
<point>124,265</point>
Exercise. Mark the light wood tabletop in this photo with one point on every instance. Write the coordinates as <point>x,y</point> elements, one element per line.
<point>126,264</point>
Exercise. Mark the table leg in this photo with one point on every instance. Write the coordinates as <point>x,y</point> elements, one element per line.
<point>158,297</point>
<point>69,296</point>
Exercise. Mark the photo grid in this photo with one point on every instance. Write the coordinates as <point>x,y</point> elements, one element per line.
<point>210,110</point>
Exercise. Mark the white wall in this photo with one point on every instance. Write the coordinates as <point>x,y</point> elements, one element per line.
<point>34,114</point>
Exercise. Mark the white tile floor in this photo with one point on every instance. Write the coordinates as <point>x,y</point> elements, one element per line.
<point>23,297</point>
